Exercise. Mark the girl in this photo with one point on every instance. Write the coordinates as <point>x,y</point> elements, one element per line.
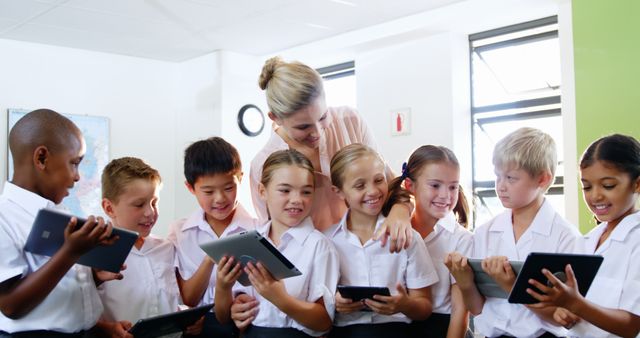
<point>358,176</point>
<point>610,175</point>
<point>300,306</point>
<point>432,176</point>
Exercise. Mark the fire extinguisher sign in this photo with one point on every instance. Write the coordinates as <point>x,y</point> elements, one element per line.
<point>400,121</point>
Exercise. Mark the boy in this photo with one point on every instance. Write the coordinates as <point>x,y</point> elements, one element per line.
<point>213,171</point>
<point>46,296</point>
<point>525,163</point>
<point>130,193</point>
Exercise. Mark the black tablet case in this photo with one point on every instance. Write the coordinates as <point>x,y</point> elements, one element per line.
<point>585,268</point>
<point>169,323</point>
<point>47,237</point>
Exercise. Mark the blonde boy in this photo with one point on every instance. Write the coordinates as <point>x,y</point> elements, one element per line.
<point>525,163</point>
<point>130,193</point>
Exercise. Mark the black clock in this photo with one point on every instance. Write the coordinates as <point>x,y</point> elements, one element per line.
<point>250,120</point>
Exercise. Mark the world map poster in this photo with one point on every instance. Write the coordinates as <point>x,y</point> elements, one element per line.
<point>85,197</point>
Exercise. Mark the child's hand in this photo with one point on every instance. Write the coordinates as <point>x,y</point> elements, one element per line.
<point>114,329</point>
<point>499,268</point>
<point>195,328</point>
<point>227,273</point>
<point>101,276</point>
<point>388,305</point>
<point>565,317</point>
<point>346,305</point>
<point>459,268</point>
<point>244,310</point>
<point>264,283</point>
<point>559,293</point>
<point>92,233</point>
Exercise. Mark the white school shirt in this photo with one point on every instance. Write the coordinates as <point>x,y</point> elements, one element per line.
<point>73,304</point>
<point>188,233</point>
<point>314,255</point>
<point>149,287</point>
<point>447,236</point>
<point>371,264</point>
<point>548,232</point>
<point>617,284</point>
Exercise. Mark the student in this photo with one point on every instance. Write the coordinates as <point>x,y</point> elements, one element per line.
<point>130,193</point>
<point>302,121</point>
<point>610,175</point>
<point>432,177</point>
<point>300,306</point>
<point>213,171</point>
<point>358,176</point>
<point>46,296</point>
<point>524,163</point>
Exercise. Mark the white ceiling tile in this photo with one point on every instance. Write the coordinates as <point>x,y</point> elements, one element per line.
<point>20,10</point>
<point>6,24</point>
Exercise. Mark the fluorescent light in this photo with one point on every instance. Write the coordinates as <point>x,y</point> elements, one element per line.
<point>344,2</point>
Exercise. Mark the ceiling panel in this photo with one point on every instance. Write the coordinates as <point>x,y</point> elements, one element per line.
<point>178,30</point>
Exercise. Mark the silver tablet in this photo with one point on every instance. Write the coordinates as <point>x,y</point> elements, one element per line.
<point>47,237</point>
<point>485,284</point>
<point>251,247</point>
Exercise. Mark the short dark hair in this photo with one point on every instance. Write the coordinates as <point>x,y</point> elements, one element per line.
<point>621,151</point>
<point>210,156</point>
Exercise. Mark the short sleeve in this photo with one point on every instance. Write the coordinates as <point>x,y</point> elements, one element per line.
<point>421,271</point>
<point>12,260</point>
<point>630,299</point>
<point>324,276</point>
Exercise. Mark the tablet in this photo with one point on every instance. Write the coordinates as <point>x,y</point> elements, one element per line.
<point>170,323</point>
<point>252,247</point>
<point>485,284</point>
<point>585,268</point>
<point>358,293</point>
<point>47,237</point>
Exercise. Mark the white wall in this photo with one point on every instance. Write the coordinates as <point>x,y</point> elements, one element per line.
<point>135,94</point>
<point>417,75</point>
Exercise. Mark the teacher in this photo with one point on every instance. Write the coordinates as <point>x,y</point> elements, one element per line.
<point>302,121</point>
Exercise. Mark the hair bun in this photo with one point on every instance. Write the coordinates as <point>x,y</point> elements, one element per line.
<point>267,71</point>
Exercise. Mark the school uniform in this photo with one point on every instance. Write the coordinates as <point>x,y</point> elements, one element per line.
<point>186,235</point>
<point>548,232</point>
<point>447,236</point>
<point>617,284</point>
<point>314,255</point>
<point>149,287</point>
<point>73,305</point>
<point>370,264</point>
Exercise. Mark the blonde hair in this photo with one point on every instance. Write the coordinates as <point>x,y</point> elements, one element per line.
<point>282,158</point>
<point>345,157</point>
<point>529,149</point>
<point>119,173</point>
<point>289,86</point>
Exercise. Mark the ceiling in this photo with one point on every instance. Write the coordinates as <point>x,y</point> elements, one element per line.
<point>178,30</point>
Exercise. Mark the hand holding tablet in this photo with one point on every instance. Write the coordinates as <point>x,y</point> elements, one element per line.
<point>251,247</point>
<point>584,269</point>
<point>47,236</point>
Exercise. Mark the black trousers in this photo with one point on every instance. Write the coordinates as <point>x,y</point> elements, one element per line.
<point>384,330</point>
<point>273,332</point>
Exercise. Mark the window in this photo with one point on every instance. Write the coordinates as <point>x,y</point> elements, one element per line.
<point>515,82</point>
<point>340,84</point>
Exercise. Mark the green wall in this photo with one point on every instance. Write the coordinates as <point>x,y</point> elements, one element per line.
<point>606,42</point>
